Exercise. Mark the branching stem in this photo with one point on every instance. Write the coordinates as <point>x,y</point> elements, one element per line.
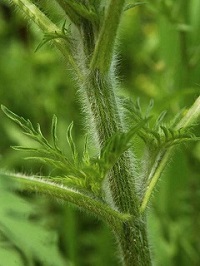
<point>107,121</point>
<point>32,184</point>
<point>122,210</point>
<point>190,117</point>
<point>47,26</point>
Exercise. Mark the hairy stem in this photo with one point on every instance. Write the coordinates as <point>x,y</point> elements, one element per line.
<point>190,117</point>
<point>103,53</point>
<point>105,116</point>
<point>106,120</point>
<point>32,184</point>
<point>47,26</point>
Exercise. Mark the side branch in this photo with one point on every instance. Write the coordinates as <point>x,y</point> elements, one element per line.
<point>161,161</point>
<point>35,14</point>
<point>48,27</point>
<point>96,207</point>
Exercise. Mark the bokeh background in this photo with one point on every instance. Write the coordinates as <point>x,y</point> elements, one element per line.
<point>159,58</point>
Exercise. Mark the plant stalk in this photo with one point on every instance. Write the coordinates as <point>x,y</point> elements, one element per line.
<point>106,119</point>
<point>48,27</point>
<point>112,217</point>
<point>188,120</point>
<point>104,49</point>
<point>104,114</point>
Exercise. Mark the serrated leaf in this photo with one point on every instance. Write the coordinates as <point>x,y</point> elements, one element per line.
<point>116,146</point>
<point>22,148</point>
<point>52,162</point>
<point>54,132</point>
<point>42,43</point>
<point>134,130</point>
<point>166,132</point>
<point>138,106</point>
<point>172,132</point>
<point>52,36</point>
<point>17,119</point>
<point>29,125</point>
<point>71,142</point>
<point>156,136</point>
<point>160,119</point>
<point>149,108</point>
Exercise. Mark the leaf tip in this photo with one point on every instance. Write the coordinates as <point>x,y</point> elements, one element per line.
<point>3,108</point>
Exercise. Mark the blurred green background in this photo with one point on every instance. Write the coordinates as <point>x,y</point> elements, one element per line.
<point>159,58</point>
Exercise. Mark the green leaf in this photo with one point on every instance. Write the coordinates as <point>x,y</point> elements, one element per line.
<point>129,6</point>
<point>160,119</point>
<point>71,143</point>
<point>22,148</point>
<point>52,36</point>
<point>17,119</point>
<point>116,146</point>
<point>54,132</point>
<point>160,135</point>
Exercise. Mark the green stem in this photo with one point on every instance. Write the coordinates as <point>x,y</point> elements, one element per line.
<point>34,13</point>
<point>47,26</point>
<point>155,174</point>
<point>163,157</point>
<point>32,184</point>
<point>69,11</point>
<point>106,120</point>
<point>103,53</point>
<point>191,116</point>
